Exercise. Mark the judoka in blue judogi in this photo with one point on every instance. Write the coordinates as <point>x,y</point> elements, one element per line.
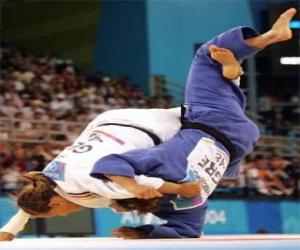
<point>212,101</point>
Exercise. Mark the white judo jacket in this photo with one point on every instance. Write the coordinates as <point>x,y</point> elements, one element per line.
<point>70,169</point>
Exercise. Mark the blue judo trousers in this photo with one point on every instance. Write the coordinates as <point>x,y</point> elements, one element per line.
<point>211,100</point>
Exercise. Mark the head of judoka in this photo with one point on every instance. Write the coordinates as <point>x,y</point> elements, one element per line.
<point>38,198</point>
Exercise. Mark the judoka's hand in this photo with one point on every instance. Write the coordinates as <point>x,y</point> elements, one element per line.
<point>189,189</point>
<point>130,184</point>
<point>129,233</point>
<point>6,236</point>
<point>144,192</point>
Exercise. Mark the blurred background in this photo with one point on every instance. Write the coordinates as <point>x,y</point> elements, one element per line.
<point>65,62</point>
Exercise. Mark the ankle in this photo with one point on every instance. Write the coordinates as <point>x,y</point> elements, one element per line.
<point>269,37</point>
<point>232,72</point>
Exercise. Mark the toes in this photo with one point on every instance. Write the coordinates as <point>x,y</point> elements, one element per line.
<point>213,48</point>
<point>289,13</point>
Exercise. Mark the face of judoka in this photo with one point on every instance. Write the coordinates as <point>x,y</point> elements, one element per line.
<point>59,207</point>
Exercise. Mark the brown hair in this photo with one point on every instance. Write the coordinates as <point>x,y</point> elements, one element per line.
<point>36,192</point>
<point>141,205</point>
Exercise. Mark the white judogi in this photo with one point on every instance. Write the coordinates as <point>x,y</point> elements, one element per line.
<point>71,168</point>
<point>164,123</point>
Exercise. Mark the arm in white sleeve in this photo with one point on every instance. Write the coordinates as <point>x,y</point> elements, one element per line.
<point>17,223</point>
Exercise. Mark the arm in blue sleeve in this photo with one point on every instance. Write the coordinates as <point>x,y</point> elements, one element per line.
<point>167,161</point>
<point>234,40</point>
<point>129,164</point>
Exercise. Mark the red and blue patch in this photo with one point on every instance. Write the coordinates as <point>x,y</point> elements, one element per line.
<point>55,171</point>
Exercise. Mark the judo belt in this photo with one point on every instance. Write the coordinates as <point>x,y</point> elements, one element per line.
<point>156,140</point>
<point>209,130</point>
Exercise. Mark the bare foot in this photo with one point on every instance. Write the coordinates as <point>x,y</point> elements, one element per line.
<point>280,29</point>
<point>279,32</point>
<point>231,68</point>
<point>189,189</point>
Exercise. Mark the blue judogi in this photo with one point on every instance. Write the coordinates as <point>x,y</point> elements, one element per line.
<point>184,218</point>
<point>212,100</point>
<point>217,102</point>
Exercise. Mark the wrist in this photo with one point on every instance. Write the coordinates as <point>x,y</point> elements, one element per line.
<point>133,187</point>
